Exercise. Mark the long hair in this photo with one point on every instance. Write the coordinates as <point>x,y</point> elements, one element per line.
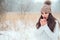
<point>50,22</point>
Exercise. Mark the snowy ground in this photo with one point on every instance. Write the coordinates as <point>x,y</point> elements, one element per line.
<point>9,35</point>
<point>9,31</point>
<point>19,31</point>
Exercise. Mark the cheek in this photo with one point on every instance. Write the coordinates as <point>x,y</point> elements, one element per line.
<point>47,15</point>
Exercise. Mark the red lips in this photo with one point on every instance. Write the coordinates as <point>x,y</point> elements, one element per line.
<point>44,17</point>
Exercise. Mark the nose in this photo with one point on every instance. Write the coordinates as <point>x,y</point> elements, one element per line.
<point>44,15</point>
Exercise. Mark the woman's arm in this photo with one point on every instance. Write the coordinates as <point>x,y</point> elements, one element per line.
<point>56,30</point>
<point>51,34</point>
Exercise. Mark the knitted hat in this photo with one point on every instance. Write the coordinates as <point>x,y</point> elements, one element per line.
<point>46,7</point>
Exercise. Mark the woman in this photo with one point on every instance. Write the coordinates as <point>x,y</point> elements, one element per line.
<point>47,25</point>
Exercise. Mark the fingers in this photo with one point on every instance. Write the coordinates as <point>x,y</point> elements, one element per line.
<point>43,21</point>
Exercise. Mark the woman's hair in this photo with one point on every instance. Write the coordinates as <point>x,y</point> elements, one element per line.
<point>50,22</point>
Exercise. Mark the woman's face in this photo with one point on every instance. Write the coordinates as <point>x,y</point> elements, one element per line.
<point>45,15</point>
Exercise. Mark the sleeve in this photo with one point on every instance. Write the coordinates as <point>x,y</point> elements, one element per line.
<point>56,30</point>
<point>48,31</point>
<point>55,34</point>
<point>40,30</point>
<point>37,32</point>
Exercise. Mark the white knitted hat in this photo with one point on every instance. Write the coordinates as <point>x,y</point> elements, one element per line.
<point>46,7</point>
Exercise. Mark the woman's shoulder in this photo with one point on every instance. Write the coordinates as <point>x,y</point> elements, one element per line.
<point>57,21</point>
<point>57,24</point>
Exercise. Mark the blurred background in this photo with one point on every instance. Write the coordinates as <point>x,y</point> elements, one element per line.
<point>16,16</point>
<point>27,5</point>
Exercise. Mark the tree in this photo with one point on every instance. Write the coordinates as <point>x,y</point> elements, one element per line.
<point>26,6</point>
<point>1,6</point>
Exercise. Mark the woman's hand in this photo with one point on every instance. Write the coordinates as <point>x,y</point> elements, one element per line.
<point>43,22</point>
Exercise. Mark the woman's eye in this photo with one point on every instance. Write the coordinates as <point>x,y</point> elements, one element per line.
<point>45,13</point>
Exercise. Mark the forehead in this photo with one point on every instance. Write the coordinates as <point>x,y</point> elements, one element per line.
<point>44,12</point>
